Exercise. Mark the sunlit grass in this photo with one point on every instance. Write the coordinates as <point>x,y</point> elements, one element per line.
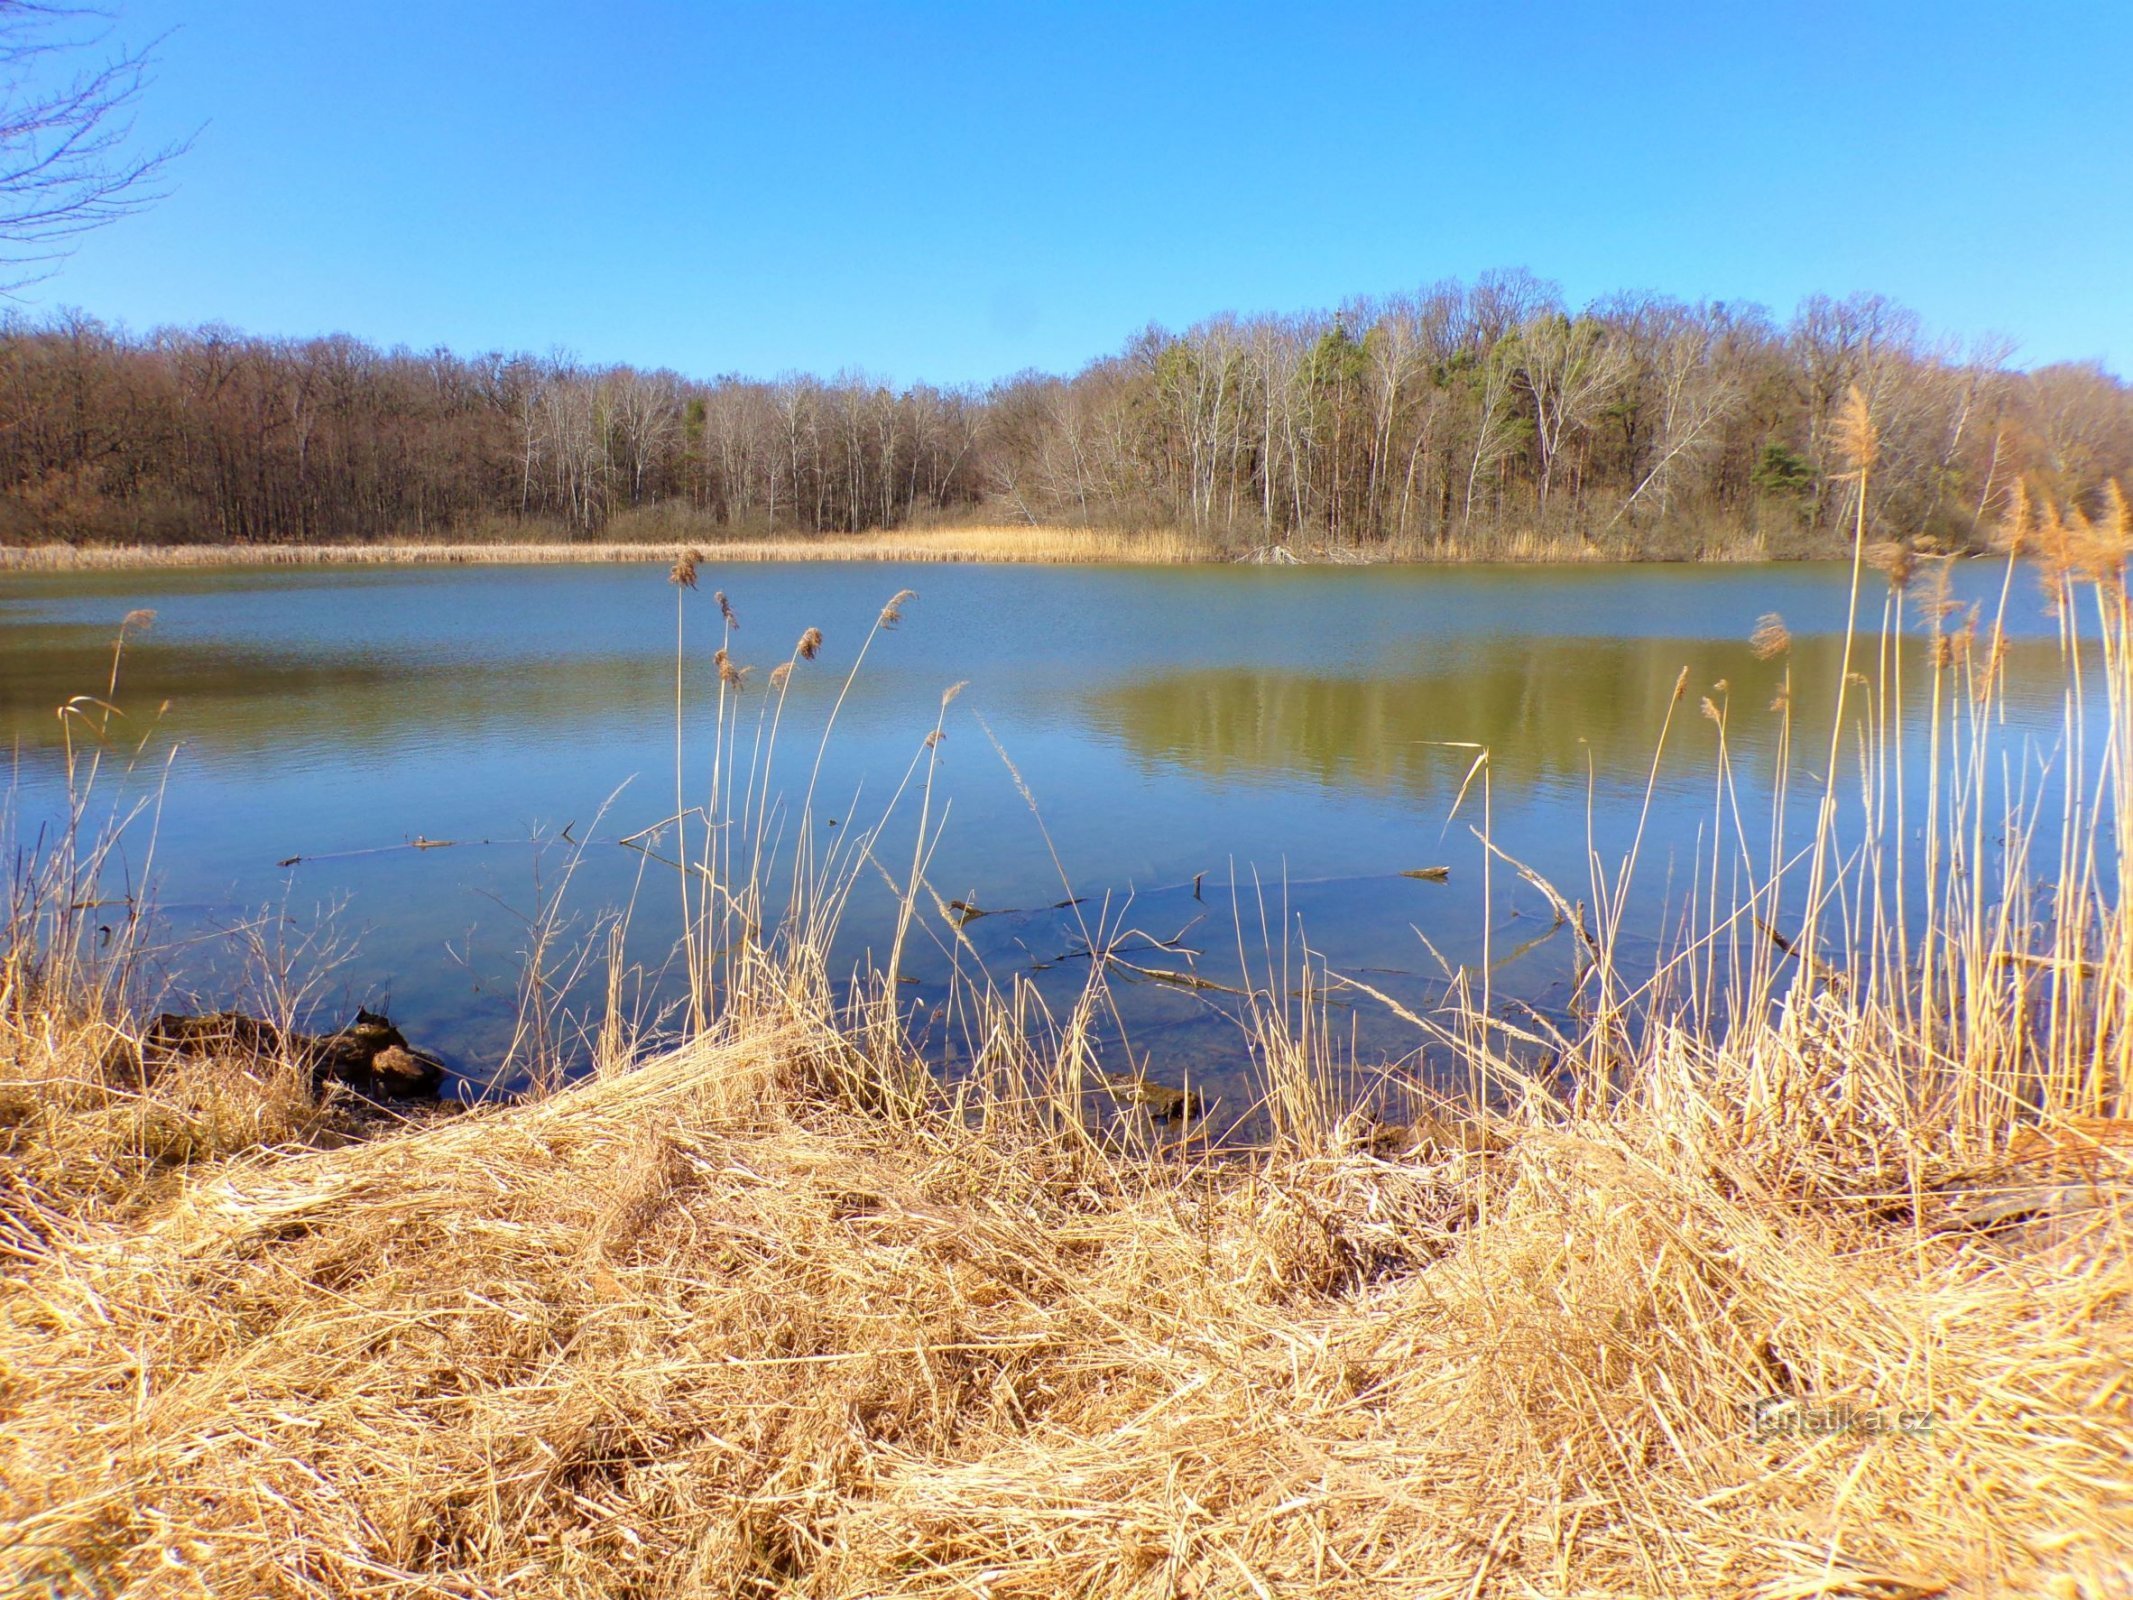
<point>1042,545</point>
<point>1038,545</point>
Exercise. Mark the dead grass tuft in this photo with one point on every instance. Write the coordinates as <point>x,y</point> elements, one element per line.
<point>694,1328</point>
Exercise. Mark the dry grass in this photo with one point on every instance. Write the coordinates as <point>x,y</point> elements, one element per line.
<point>1050,546</point>
<point>776,1315</point>
<point>1041,546</point>
<point>700,1328</point>
<point>82,1141</point>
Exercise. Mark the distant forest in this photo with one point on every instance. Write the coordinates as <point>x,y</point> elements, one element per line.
<point>1460,419</point>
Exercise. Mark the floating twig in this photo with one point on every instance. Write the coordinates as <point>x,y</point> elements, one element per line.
<point>416,843</point>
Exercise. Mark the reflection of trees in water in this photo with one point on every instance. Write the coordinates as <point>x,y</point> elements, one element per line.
<point>1546,707</point>
<point>249,704</point>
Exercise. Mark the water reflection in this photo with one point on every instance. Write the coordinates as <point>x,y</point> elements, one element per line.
<point>262,705</point>
<point>1552,712</point>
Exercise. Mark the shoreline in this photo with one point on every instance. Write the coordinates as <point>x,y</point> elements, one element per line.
<point>1043,546</point>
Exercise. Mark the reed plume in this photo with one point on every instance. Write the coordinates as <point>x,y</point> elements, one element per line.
<point>2056,543</point>
<point>1895,560</point>
<point>1952,646</point>
<point>2106,538</point>
<point>2017,523</point>
<point>1856,438</point>
<point>1936,600</point>
<point>1771,639</point>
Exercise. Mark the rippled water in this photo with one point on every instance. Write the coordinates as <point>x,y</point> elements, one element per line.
<point>1302,735</point>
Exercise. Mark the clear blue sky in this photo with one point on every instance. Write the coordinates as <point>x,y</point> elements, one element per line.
<point>955,192</point>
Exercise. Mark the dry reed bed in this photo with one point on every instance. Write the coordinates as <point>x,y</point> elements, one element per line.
<point>695,1328</point>
<point>1041,546</point>
<point>1038,546</point>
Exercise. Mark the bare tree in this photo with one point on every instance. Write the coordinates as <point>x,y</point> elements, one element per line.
<point>1640,422</point>
<point>68,161</point>
<point>1493,427</point>
<point>1570,370</point>
<point>645,410</point>
<point>1691,397</point>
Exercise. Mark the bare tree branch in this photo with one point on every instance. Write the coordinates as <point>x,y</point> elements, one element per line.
<point>68,158</point>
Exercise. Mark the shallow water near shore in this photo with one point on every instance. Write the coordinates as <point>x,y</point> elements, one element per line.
<point>1228,761</point>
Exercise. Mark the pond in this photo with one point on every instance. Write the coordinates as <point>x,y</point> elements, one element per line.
<point>1217,762</point>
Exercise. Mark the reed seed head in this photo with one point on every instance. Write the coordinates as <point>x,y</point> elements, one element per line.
<point>1936,603</point>
<point>2057,543</point>
<point>725,609</point>
<point>1856,438</point>
<point>2104,539</point>
<point>779,674</point>
<point>1895,560</point>
<point>893,612</point>
<point>810,644</point>
<point>1770,639</point>
<point>137,621</point>
<point>683,575</point>
<point>2017,523</point>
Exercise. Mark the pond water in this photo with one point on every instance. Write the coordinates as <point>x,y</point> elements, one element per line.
<point>1209,749</point>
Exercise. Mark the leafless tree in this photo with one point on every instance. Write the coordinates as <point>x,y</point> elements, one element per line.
<point>68,158</point>
<point>1570,369</point>
<point>1458,415</point>
<point>1690,394</point>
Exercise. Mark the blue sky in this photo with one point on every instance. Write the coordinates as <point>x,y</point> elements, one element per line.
<point>956,192</point>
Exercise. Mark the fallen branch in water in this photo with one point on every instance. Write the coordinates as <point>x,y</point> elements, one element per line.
<point>416,843</point>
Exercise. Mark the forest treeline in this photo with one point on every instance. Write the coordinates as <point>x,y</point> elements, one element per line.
<point>1459,419</point>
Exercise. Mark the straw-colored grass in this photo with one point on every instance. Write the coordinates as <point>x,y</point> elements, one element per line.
<point>1049,546</point>
<point>699,1328</point>
<point>1735,1299</point>
<point>1034,545</point>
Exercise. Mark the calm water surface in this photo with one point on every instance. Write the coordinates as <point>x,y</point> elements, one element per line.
<point>1300,733</point>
